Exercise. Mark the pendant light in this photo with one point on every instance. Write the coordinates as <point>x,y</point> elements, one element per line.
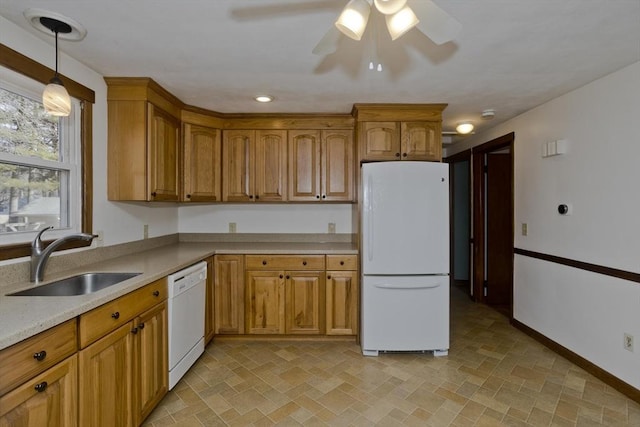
<point>353,19</point>
<point>55,97</point>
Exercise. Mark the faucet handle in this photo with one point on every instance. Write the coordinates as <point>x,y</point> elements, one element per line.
<point>37,242</point>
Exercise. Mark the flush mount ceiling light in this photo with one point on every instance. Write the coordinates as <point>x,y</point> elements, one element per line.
<point>400,16</point>
<point>464,128</point>
<point>264,98</point>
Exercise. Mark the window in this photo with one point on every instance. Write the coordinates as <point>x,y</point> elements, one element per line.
<point>49,175</point>
<point>39,164</point>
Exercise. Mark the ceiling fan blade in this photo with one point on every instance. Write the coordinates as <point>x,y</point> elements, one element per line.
<point>329,43</point>
<point>435,23</point>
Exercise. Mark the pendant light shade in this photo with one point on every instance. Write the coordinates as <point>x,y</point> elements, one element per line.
<point>55,97</point>
<point>389,7</point>
<point>353,19</point>
<point>401,22</point>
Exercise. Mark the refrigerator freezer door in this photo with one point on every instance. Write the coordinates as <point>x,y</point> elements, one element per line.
<point>405,313</point>
<point>405,218</point>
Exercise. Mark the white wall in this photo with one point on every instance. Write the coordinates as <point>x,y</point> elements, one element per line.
<point>120,222</point>
<point>600,176</point>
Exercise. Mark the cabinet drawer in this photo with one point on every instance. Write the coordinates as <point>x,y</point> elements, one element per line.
<point>342,262</point>
<point>32,356</point>
<point>111,315</point>
<point>284,262</point>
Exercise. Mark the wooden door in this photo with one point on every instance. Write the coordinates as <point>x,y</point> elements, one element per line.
<point>304,165</point>
<point>379,140</point>
<point>229,294</point>
<point>163,158</point>
<point>342,303</point>
<point>48,400</point>
<point>201,170</point>
<point>237,165</point>
<point>209,304</point>
<point>304,302</point>
<point>421,141</point>
<point>499,230</point>
<point>153,367</point>
<point>337,165</point>
<point>105,380</point>
<point>264,311</point>
<point>271,166</point>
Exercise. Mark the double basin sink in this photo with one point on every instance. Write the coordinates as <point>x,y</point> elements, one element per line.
<point>81,284</point>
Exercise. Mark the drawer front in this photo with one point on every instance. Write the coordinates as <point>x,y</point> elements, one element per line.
<point>284,262</point>
<point>342,262</point>
<point>34,355</point>
<point>98,322</point>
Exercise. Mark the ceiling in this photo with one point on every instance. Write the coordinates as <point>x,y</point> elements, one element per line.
<point>511,56</point>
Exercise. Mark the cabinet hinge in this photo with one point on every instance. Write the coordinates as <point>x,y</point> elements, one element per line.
<point>485,288</point>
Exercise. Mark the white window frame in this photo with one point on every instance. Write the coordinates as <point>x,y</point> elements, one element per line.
<point>71,159</point>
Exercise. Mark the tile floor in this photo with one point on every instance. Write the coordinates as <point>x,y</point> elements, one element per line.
<point>494,375</point>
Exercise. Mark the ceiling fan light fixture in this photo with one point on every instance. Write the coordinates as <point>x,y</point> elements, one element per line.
<point>464,128</point>
<point>389,7</point>
<point>401,22</point>
<point>353,19</point>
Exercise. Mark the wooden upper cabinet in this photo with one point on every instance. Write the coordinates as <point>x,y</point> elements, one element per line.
<point>164,156</point>
<point>254,165</point>
<point>143,141</point>
<point>321,165</point>
<point>380,140</point>
<point>202,164</point>
<point>421,141</point>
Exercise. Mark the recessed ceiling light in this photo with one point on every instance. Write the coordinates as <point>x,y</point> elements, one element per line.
<point>264,98</point>
<point>464,128</point>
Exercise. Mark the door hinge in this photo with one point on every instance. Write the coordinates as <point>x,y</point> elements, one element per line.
<point>485,288</point>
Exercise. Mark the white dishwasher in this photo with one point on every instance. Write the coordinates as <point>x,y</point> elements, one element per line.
<point>186,319</point>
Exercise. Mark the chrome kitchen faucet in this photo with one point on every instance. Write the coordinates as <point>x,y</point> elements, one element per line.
<point>39,256</point>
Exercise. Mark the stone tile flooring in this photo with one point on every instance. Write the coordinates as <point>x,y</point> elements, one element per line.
<point>494,375</point>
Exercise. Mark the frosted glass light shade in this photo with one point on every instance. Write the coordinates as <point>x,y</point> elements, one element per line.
<point>389,7</point>
<point>56,99</point>
<point>401,22</point>
<point>464,128</point>
<point>353,19</point>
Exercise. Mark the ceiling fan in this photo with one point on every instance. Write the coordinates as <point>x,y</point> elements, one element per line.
<point>400,16</point>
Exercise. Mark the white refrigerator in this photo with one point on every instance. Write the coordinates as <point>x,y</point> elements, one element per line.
<point>405,257</point>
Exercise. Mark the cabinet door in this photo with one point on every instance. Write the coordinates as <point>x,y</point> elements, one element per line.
<point>337,165</point>
<point>304,302</point>
<point>201,171</point>
<point>49,399</point>
<point>229,294</point>
<point>209,304</point>
<point>380,140</point>
<point>265,302</point>
<point>163,158</point>
<point>237,165</point>
<point>421,141</point>
<point>342,303</point>
<point>105,380</point>
<point>271,166</point>
<point>152,352</point>
<point>304,165</point>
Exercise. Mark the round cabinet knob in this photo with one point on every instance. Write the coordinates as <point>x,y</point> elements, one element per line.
<point>154,194</point>
<point>39,356</point>
<point>329,277</point>
<point>41,387</point>
<point>156,293</point>
<point>341,262</point>
<point>251,196</point>
<point>264,262</point>
<point>324,196</point>
<point>281,276</point>
<point>317,196</point>
<point>115,315</point>
<point>257,197</point>
<point>304,262</point>
<point>134,330</point>
<point>397,154</point>
<point>288,277</point>
<point>404,154</point>
<point>188,196</point>
<point>141,326</point>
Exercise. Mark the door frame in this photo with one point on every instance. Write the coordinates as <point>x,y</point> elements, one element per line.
<point>479,211</point>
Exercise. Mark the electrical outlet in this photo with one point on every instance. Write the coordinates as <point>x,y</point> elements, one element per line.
<point>100,239</point>
<point>332,228</point>
<point>232,227</point>
<point>145,231</point>
<point>524,229</point>
<point>628,342</point>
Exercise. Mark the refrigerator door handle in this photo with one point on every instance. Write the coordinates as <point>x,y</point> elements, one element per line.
<point>391,286</point>
<point>369,212</point>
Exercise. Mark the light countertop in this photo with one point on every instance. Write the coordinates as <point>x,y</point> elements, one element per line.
<point>24,316</point>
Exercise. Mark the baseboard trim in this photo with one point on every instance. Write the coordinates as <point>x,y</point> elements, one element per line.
<point>627,389</point>
<point>275,338</point>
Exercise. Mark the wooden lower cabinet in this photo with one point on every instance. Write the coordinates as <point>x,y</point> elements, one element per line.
<point>209,305</point>
<point>304,302</point>
<point>229,294</point>
<point>49,399</point>
<point>264,302</point>
<point>125,374</point>
<point>342,302</point>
